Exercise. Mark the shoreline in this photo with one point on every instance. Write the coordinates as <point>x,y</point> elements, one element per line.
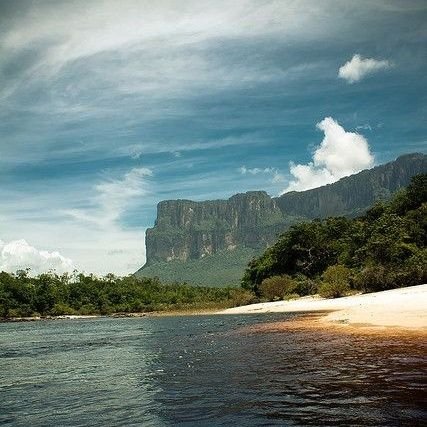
<point>397,309</point>
<point>403,308</point>
<point>184,312</point>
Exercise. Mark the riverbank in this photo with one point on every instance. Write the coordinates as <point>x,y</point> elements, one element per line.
<point>404,308</point>
<point>397,308</point>
<point>165,313</point>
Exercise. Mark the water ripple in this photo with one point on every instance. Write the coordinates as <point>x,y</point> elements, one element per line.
<point>208,370</point>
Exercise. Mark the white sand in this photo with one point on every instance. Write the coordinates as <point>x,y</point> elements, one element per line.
<point>404,308</point>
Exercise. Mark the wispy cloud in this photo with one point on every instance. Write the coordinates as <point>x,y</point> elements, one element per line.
<point>340,154</point>
<point>113,197</point>
<point>358,68</point>
<point>274,173</point>
<point>365,126</point>
<point>86,104</point>
<point>84,223</point>
<point>136,151</point>
<point>135,21</point>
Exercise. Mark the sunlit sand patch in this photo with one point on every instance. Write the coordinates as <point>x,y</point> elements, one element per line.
<point>316,322</point>
<point>402,310</point>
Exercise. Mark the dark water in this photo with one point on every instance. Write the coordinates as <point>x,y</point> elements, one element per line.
<point>205,370</point>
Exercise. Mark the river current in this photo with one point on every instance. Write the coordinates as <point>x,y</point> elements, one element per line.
<point>206,371</point>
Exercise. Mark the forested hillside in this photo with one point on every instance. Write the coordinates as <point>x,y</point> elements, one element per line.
<point>383,249</point>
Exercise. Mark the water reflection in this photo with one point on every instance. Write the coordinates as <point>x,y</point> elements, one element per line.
<point>206,370</point>
<point>300,377</point>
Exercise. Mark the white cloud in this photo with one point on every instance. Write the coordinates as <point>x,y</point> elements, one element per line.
<point>358,67</point>
<point>136,151</point>
<point>89,247</point>
<point>113,197</point>
<point>18,254</point>
<point>162,43</point>
<point>276,176</point>
<point>365,126</point>
<point>93,28</point>
<point>85,222</point>
<point>340,154</point>
<point>103,230</point>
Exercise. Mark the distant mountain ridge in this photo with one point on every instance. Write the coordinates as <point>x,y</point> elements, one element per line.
<point>354,194</point>
<point>247,223</point>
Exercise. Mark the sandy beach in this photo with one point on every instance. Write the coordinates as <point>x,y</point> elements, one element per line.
<point>398,308</point>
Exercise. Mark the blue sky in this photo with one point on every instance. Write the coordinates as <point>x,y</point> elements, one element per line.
<point>109,107</point>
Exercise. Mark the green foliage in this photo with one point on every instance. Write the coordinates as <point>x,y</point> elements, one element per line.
<point>385,248</point>
<point>304,285</point>
<point>333,290</point>
<point>335,282</point>
<point>411,198</point>
<point>306,248</point>
<point>51,294</point>
<point>239,297</point>
<point>289,297</point>
<point>276,287</point>
<point>337,275</point>
<point>221,269</point>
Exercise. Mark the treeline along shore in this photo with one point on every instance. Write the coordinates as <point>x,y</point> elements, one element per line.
<point>51,294</point>
<point>383,249</point>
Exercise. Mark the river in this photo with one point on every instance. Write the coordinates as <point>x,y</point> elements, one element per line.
<point>206,370</point>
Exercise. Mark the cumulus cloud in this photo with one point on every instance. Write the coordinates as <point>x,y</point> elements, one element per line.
<point>340,154</point>
<point>18,255</point>
<point>358,67</point>
<point>276,176</point>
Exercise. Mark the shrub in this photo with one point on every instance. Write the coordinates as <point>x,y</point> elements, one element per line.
<point>240,297</point>
<point>276,287</point>
<point>337,274</point>
<point>335,282</point>
<point>61,309</point>
<point>289,297</point>
<point>20,312</point>
<point>333,290</point>
<point>375,278</point>
<point>371,279</point>
<point>304,285</point>
<point>87,309</point>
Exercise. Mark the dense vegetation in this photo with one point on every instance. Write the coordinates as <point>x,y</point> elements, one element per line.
<point>220,269</point>
<point>384,249</point>
<point>51,294</point>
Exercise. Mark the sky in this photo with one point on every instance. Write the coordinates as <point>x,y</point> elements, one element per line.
<point>107,108</point>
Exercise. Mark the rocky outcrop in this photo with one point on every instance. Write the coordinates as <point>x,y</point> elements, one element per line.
<point>187,230</point>
<point>190,230</point>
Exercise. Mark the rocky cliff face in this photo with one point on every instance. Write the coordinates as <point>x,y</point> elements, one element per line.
<point>187,230</point>
<point>352,195</point>
<point>191,230</point>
